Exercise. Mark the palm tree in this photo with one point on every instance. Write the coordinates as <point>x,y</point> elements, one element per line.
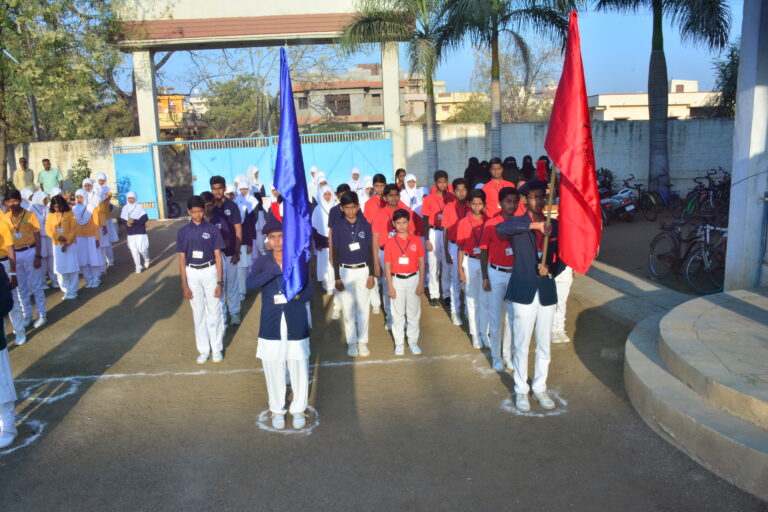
<point>419,24</point>
<point>700,21</point>
<point>485,21</point>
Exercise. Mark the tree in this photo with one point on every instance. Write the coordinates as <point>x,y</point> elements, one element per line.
<point>418,23</point>
<point>485,22</point>
<point>700,22</point>
<point>726,77</point>
<point>527,91</point>
<point>475,110</point>
<point>236,107</point>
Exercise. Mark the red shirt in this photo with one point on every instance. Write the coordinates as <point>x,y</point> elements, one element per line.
<point>372,207</point>
<point>491,189</point>
<point>411,248</point>
<point>382,223</point>
<point>452,214</point>
<point>469,233</point>
<point>499,250</point>
<point>433,190</point>
<point>434,208</point>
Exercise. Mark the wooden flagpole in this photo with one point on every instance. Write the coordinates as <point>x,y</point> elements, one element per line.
<point>550,200</point>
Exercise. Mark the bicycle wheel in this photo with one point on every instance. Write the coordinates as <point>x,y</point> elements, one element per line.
<point>663,254</point>
<point>648,208</point>
<point>704,270</point>
<point>658,201</point>
<point>174,210</point>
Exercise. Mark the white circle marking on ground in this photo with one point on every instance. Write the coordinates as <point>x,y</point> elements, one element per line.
<point>264,422</point>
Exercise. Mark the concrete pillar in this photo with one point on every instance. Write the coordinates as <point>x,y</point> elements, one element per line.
<point>390,74</point>
<point>750,153</point>
<point>149,125</point>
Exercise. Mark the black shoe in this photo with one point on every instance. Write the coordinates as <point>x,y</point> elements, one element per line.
<point>447,302</point>
<point>433,303</point>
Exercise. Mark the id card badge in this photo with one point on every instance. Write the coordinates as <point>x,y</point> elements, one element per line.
<point>391,234</point>
<point>540,254</point>
<point>403,260</point>
<point>17,235</point>
<point>439,216</point>
<point>476,250</point>
<point>509,252</point>
<point>355,246</point>
<point>197,255</point>
<point>60,230</point>
<point>280,299</point>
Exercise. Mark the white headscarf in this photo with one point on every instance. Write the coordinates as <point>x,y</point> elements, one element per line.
<point>355,184</point>
<point>367,183</point>
<point>38,207</point>
<point>93,198</point>
<point>411,196</point>
<point>132,211</point>
<point>253,178</point>
<point>312,187</point>
<point>321,211</point>
<point>83,211</point>
<point>319,180</point>
<point>26,195</point>
<point>56,191</point>
<point>101,190</point>
<point>246,202</point>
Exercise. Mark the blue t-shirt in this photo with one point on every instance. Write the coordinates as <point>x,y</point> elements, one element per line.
<point>346,235</point>
<point>230,211</point>
<point>198,242</point>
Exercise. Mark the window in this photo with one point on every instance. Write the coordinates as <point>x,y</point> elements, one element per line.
<point>171,106</point>
<point>680,88</point>
<point>338,103</point>
<point>303,103</point>
<point>376,100</point>
<point>446,108</point>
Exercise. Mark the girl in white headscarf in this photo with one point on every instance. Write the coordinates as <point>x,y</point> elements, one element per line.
<point>61,228</point>
<point>26,198</point>
<point>320,182</point>
<point>87,238</point>
<point>93,199</point>
<point>135,218</point>
<point>105,218</point>
<point>355,183</point>
<point>367,190</point>
<point>327,200</point>
<point>257,186</point>
<point>276,203</point>
<point>247,205</point>
<point>411,195</point>
<point>39,207</point>
<point>312,182</point>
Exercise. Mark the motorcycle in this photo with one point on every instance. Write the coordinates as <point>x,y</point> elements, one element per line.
<point>621,204</point>
<point>174,210</point>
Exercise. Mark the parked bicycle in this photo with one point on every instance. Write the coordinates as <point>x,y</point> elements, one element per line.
<point>645,201</point>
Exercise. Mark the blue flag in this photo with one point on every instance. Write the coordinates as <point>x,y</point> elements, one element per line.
<point>291,182</point>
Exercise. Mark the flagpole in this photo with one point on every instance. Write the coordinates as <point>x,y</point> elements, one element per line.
<point>550,200</point>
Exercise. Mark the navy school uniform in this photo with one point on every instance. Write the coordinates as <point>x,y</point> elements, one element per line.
<point>139,226</point>
<point>352,244</point>
<point>198,242</point>
<point>229,211</point>
<point>227,231</point>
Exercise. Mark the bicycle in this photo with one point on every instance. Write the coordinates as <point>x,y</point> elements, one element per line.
<point>645,200</point>
<point>665,197</point>
<point>704,269</point>
<point>666,253</point>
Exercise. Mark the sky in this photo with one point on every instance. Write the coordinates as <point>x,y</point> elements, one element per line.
<point>615,50</point>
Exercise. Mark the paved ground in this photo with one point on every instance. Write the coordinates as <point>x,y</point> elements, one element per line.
<point>117,416</point>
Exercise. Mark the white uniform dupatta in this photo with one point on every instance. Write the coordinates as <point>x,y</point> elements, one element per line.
<point>83,211</point>
<point>132,211</point>
<point>321,211</point>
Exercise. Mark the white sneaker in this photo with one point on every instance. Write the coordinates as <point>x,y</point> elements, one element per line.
<point>387,326</point>
<point>41,321</point>
<point>146,264</point>
<point>522,403</point>
<point>138,270</point>
<point>217,357</point>
<point>544,400</point>
<point>234,319</point>
<point>455,318</point>
<point>352,350</point>
<point>362,350</point>
<point>336,314</point>
<point>560,337</point>
<point>6,439</point>
<point>299,420</point>
<point>415,350</point>
<point>21,341</point>
<point>399,350</point>
<point>498,366</point>
<point>202,358</point>
<point>376,311</point>
<point>278,421</point>
<point>476,342</point>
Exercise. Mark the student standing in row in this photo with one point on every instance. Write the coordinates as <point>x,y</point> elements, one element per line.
<point>496,263</point>
<point>283,331</point>
<point>7,389</point>
<point>453,213</point>
<point>335,215</point>
<point>199,245</point>
<point>6,256</point>
<point>469,233</point>
<point>326,201</point>
<point>371,208</point>
<point>432,212</point>
<point>404,272</point>
<point>135,218</point>
<point>492,188</point>
<point>353,272</point>
<point>87,236</point>
<point>40,209</point>
<point>230,214</point>
<point>25,230</point>
<point>247,204</point>
<point>532,291</point>
<point>61,228</point>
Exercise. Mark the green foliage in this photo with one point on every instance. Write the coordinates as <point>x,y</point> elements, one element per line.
<point>477,109</point>
<point>726,77</point>
<point>330,127</point>
<point>80,170</point>
<point>236,108</point>
<point>607,176</point>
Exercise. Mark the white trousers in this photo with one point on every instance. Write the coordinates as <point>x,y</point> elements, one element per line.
<point>139,247</point>
<point>477,299</point>
<point>325,272</point>
<point>206,309</point>
<point>30,283</point>
<point>563,283</point>
<point>7,389</point>
<point>230,295</point>
<point>373,294</point>
<point>17,319</point>
<point>439,275</point>
<point>91,274</point>
<point>529,318</point>
<point>7,417</point>
<point>384,294</point>
<point>274,371</point>
<point>453,277</point>
<point>355,300</point>
<point>69,283</point>
<point>406,306</point>
<point>500,319</point>
<point>242,269</point>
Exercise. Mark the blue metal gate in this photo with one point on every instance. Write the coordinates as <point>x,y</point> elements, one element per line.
<point>135,170</point>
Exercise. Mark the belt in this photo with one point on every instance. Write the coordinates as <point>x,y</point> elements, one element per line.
<point>441,228</point>
<point>451,242</point>
<point>22,249</point>
<point>471,256</point>
<point>405,276</point>
<point>4,258</point>
<point>202,265</point>
<point>501,269</point>
<point>359,265</point>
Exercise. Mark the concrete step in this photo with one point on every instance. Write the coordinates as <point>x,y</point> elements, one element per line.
<point>718,345</point>
<point>730,447</point>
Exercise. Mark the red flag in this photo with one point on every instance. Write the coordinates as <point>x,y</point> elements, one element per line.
<point>569,145</point>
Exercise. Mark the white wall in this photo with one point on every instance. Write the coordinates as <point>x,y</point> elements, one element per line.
<point>622,146</point>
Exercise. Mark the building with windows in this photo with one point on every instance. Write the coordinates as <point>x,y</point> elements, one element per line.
<point>685,102</point>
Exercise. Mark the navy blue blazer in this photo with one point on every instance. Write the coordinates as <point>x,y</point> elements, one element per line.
<point>524,280</point>
<point>6,303</point>
<point>265,273</point>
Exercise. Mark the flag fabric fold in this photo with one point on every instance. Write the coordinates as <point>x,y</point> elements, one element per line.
<point>291,182</point>
<point>569,146</point>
